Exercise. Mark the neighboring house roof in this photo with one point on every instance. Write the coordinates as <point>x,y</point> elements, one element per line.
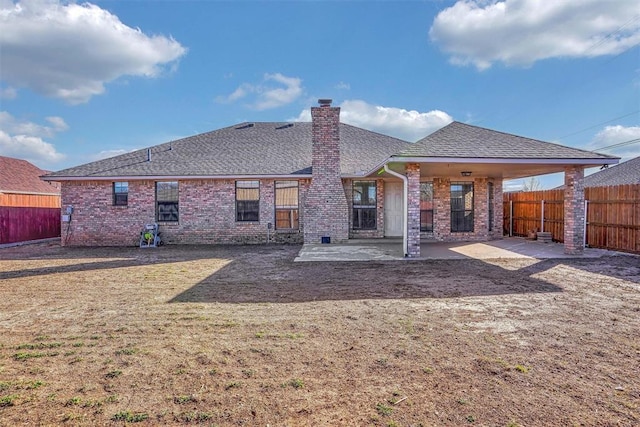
<point>460,140</point>
<point>625,173</point>
<point>263,149</point>
<point>20,176</point>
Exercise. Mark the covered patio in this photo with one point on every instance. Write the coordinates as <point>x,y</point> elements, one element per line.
<point>390,249</point>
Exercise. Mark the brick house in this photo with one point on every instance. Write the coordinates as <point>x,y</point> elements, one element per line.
<point>323,181</point>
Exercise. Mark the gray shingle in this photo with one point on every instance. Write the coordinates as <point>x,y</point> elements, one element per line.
<point>244,149</point>
<point>625,173</point>
<point>467,141</point>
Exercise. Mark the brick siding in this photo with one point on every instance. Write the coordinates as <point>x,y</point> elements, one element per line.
<point>206,210</point>
<point>442,207</point>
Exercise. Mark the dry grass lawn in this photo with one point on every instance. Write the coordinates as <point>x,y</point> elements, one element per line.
<point>230,336</point>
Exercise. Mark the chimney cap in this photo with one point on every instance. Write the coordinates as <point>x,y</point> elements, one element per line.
<point>325,102</point>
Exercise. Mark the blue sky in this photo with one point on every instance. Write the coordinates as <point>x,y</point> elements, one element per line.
<point>82,81</point>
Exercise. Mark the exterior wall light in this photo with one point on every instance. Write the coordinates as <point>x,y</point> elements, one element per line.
<point>465,173</point>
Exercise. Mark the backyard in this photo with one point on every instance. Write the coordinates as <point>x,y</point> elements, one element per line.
<point>227,336</point>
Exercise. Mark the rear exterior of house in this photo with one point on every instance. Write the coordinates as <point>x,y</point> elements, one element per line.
<point>315,182</point>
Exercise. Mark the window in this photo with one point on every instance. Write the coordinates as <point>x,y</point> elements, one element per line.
<point>461,206</point>
<point>167,201</point>
<point>287,205</point>
<point>490,192</point>
<point>426,206</point>
<point>120,193</point>
<point>247,200</point>
<point>364,205</point>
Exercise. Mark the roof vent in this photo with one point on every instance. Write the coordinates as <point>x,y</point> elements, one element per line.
<point>325,102</point>
<point>285,126</point>
<point>245,126</point>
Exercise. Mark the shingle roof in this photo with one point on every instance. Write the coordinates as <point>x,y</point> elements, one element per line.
<point>467,141</point>
<point>20,176</point>
<point>246,149</point>
<point>625,173</point>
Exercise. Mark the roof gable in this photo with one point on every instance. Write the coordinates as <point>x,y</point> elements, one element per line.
<point>20,176</point>
<point>461,140</point>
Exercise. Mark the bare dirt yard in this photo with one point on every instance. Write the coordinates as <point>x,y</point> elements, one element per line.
<point>231,336</point>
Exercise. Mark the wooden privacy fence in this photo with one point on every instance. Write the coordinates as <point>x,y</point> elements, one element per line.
<point>19,224</point>
<point>612,215</point>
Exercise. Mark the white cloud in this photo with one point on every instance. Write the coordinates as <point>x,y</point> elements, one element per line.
<point>8,93</point>
<point>410,125</point>
<point>265,95</point>
<point>105,154</point>
<point>10,124</point>
<point>24,140</point>
<point>69,51</point>
<point>521,32</point>
<point>343,86</point>
<point>611,135</point>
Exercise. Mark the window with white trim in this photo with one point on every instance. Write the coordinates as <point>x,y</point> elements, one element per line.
<point>167,201</point>
<point>247,201</point>
<point>364,205</point>
<point>462,206</point>
<point>286,205</point>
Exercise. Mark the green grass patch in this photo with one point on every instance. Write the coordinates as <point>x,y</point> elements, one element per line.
<point>189,417</point>
<point>296,383</point>
<point>73,401</point>
<point>39,346</point>
<point>384,409</point>
<point>32,385</point>
<point>126,351</point>
<point>8,400</point>
<point>522,368</point>
<point>25,355</point>
<point>181,400</point>
<point>130,417</point>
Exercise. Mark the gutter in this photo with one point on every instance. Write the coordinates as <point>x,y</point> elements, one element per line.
<point>405,199</point>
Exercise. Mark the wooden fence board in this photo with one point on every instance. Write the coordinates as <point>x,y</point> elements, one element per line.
<point>30,200</point>
<point>23,224</point>
<point>613,215</point>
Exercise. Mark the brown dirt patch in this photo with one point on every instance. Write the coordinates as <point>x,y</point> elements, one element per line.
<point>243,336</point>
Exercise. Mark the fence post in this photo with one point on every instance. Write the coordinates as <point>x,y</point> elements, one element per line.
<point>510,218</point>
<point>586,213</point>
<point>542,215</point>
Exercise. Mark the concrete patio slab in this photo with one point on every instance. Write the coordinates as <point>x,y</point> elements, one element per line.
<point>391,249</point>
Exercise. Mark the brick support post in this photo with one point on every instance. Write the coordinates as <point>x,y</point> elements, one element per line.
<point>574,210</point>
<point>498,210</point>
<point>413,209</point>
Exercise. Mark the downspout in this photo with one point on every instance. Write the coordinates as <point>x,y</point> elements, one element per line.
<point>405,197</point>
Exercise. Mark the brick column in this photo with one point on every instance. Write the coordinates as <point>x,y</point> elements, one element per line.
<point>498,210</point>
<point>413,209</point>
<point>442,207</point>
<point>574,210</point>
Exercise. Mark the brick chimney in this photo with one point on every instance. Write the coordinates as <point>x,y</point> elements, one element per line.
<point>326,212</point>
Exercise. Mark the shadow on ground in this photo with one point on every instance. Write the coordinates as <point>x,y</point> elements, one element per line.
<point>267,274</point>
